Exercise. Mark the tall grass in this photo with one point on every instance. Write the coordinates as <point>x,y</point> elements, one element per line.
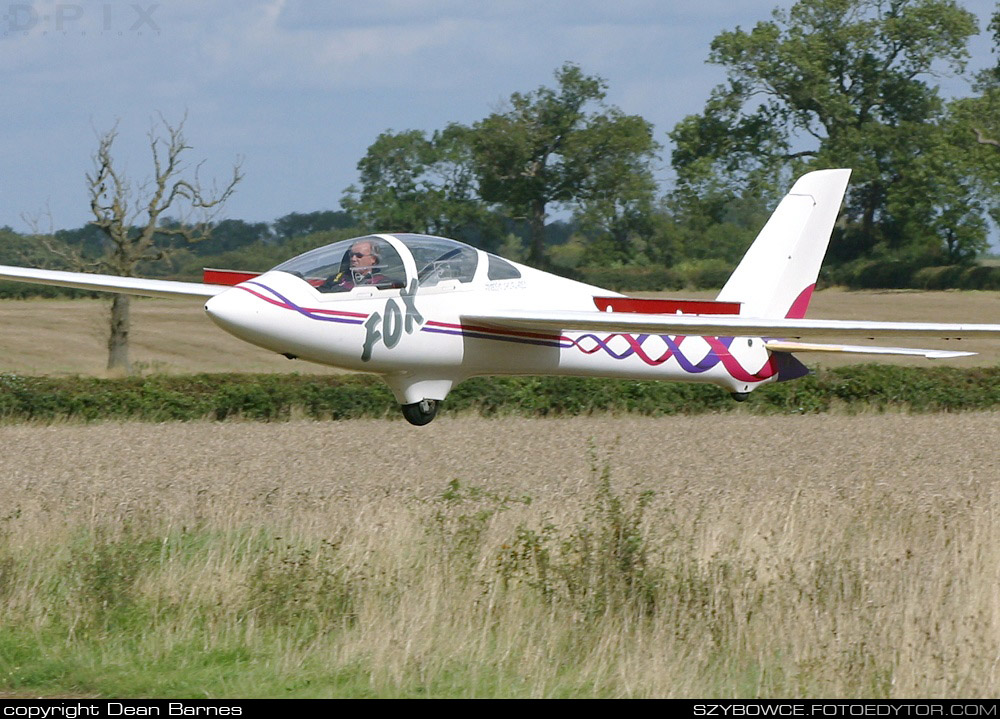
<point>602,566</point>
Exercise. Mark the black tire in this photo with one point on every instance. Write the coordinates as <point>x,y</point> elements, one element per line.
<point>740,396</point>
<point>420,413</point>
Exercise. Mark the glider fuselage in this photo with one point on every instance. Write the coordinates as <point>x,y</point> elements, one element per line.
<point>418,331</point>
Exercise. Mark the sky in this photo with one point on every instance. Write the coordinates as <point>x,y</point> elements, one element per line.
<point>299,90</point>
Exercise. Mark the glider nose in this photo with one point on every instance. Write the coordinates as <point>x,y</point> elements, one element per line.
<point>240,314</point>
<point>229,310</point>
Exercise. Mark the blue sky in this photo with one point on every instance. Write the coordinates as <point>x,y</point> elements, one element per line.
<point>300,89</point>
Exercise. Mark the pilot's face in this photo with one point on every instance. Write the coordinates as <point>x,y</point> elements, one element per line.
<point>362,257</point>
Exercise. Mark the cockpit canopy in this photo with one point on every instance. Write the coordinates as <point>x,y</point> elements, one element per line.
<point>374,260</point>
<point>329,268</point>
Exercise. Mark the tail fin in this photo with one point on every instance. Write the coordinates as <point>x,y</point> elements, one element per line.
<point>778,273</point>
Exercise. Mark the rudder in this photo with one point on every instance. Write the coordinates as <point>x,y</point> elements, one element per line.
<point>777,275</point>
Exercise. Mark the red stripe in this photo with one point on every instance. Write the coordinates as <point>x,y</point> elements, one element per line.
<point>497,331</point>
<point>666,307</point>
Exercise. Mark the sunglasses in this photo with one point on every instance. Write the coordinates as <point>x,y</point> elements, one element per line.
<point>359,255</point>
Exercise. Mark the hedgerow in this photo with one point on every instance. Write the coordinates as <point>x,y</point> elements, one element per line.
<point>163,398</point>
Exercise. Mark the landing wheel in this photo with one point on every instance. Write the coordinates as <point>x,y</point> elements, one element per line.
<point>420,413</point>
<point>740,396</point>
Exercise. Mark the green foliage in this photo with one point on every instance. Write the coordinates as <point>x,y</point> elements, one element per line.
<point>874,274</point>
<point>704,274</point>
<point>615,197</point>
<point>960,276</point>
<point>230,235</point>
<point>548,149</point>
<point>23,291</point>
<point>309,588</point>
<point>632,279</point>
<point>598,566</point>
<point>103,569</point>
<point>260,256</point>
<point>909,274</point>
<point>300,224</point>
<point>459,521</point>
<point>410,183</point>
<point>843,83</point>
<point>279,397</point>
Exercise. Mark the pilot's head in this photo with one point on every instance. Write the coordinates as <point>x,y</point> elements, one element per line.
<point>364,256</point>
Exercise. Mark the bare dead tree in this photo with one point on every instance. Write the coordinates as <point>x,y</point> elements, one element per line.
<point>131,216</point>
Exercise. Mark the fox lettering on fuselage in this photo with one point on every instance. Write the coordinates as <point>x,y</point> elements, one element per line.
<point>393,321</point>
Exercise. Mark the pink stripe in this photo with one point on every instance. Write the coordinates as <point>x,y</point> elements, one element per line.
<point>335,313</point>
<point>798,309</point>
<point>735,369</point>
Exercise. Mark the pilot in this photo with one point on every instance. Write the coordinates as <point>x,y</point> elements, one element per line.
<point>362,269</point>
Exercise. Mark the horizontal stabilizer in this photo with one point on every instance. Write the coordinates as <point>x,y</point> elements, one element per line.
<point>785,346</point>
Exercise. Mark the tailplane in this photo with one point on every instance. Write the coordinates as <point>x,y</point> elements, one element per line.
<point>777,275</point>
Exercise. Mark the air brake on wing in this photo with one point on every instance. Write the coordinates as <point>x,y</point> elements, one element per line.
<point>666,306</point>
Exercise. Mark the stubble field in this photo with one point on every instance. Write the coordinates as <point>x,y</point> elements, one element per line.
<point>725,556</point>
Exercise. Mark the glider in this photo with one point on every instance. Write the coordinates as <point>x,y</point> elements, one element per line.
<point>426,313</point>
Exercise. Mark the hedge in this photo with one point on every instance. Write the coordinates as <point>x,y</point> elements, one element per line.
<point>280,397</point>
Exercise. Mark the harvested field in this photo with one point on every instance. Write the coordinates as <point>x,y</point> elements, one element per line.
<point>725,556</point>
<point>174,336</point>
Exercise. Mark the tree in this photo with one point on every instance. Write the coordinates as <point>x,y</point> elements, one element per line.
<point>615,199</point>
<point>837,83</point>
<point>974,126</point>
<point>412,183</point>
<point>145,222</point>
<point>986,125</point>
<point>546,148</point>
<point>300,224</point>
<point>228,235</point>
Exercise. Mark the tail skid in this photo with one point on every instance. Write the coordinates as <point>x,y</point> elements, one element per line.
<point>777,275</point>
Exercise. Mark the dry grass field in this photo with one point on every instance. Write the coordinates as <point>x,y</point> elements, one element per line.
<point>711,556</point>
<point>58,337</point>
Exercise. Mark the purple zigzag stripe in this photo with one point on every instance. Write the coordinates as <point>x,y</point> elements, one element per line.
<point>710,360</point>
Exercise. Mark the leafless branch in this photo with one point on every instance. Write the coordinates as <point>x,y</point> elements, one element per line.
<point>70,257</point>
<point>982,139</point>
<point>797,155</point>
<point>131,217</point>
